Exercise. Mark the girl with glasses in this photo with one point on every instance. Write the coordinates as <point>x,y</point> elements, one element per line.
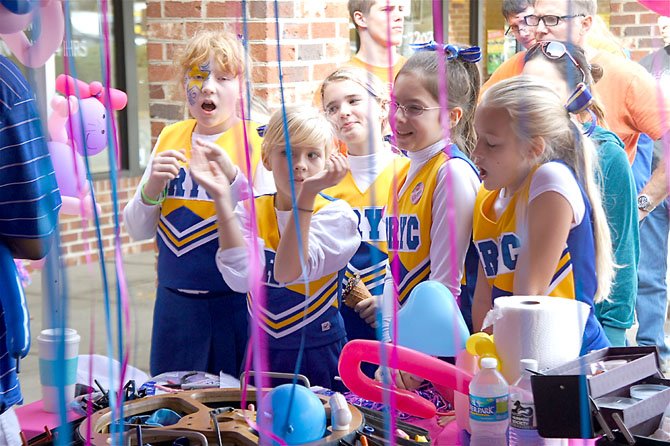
<point>539,225</point>
<point>564,67</point>
<point>430,212</point>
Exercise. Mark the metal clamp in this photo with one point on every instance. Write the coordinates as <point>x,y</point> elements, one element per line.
<point>595,411</point>
<point>623,429</point>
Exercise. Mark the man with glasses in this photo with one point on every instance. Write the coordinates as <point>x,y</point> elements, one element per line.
<point>625,88</point>
<point>514,12</point>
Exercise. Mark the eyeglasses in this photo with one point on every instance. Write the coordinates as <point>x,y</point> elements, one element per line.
<point>517,29</point>
<point>554,50</point>
<point>412,110</point>
<point>548,20</point>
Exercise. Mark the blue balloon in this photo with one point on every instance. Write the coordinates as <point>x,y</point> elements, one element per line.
<point>431,322</point>
<point>307,420</point>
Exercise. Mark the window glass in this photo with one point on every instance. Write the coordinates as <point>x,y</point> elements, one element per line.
<point>418,25</point>
<point>140,40</point>
<point>84,49</point>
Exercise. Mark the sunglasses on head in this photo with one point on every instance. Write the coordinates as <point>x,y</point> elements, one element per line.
<point>555,50</point>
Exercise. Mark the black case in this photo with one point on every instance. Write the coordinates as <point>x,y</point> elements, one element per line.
<point>564,395</point>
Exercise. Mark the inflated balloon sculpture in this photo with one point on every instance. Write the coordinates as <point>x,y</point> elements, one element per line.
<point>306,421</point>
<point>661,7</point>
<point>431,309</point>
<point>411,361</point>
<point>77,128</point>
<point>482,345</point>
<point>48,26</point>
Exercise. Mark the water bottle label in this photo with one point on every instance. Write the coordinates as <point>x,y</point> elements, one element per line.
<point>522,415</point>
<point>488,408</point>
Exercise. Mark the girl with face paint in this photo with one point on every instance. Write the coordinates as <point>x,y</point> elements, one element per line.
<point>199,322</point>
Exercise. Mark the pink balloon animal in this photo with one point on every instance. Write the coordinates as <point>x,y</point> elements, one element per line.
<point>661,7</point>
<point>438,372</point>
<point>77,128</point>
<point>16,15</point>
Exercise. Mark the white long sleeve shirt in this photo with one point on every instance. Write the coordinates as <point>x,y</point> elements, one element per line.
<point>455,194</point>
<point>333,240</point>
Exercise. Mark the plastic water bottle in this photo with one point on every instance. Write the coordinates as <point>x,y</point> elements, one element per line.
<point>523,422</point>
<point>489,394</point>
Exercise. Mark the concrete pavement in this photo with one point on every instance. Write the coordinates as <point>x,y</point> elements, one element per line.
<point>87,314</point>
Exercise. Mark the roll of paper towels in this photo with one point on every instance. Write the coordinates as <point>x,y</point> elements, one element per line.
<point>547,329</point>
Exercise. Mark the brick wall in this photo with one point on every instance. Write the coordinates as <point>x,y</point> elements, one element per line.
<point>635,26</point>
<point>314,38</point>
<point>78,240</point>
<point>459,21</point>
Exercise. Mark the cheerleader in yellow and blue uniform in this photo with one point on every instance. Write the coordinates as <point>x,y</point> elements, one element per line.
<point>539,225</point>
<point>199,322</point>
<point>356,104</point>
<point>430,215</point>
<point>298,300</point>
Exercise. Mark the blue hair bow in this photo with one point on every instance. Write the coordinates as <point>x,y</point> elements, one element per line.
<point>471,55</point>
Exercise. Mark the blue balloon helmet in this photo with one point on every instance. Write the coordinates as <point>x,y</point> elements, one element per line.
<point>431,322</point>
<point>307,420</point>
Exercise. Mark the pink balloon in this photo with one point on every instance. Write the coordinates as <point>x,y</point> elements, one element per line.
<point>70,205</point>
<point>83,207</point>
<point>33,54</point>
<point>59,116</point>
<point>38,264</point>
<point>430,368</point>
<point>87,127</point>
<point>661,7</point>
<point>70,170</point>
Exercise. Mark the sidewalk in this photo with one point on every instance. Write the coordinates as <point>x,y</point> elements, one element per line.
<point>87,314</point>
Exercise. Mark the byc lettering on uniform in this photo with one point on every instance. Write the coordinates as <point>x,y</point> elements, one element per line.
<point>183,186</point>
<point>370,225</point>
<point>406,231</point>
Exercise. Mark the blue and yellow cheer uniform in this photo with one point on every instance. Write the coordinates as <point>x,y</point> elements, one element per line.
<point>199,322</point>
<point>285,316</point>
<point>410,226</point>
<point>498,243</point>
<point>371,257</point>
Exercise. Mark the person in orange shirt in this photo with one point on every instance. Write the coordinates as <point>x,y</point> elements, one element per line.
<point>379,26</point>
<point>625,89</point>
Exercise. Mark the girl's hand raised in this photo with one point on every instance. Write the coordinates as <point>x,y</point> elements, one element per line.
<point>164,167</point>
<point>208,173</point>
<point>213,152</point>
<point>336,168</point>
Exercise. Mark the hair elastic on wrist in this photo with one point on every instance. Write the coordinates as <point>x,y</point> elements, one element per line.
<point>305,210</point>
<point>147,199</point>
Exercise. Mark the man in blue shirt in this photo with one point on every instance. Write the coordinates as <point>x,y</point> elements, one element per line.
<point>29,204</point>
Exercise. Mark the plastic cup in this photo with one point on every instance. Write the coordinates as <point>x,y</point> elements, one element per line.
<point>48,345</point>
